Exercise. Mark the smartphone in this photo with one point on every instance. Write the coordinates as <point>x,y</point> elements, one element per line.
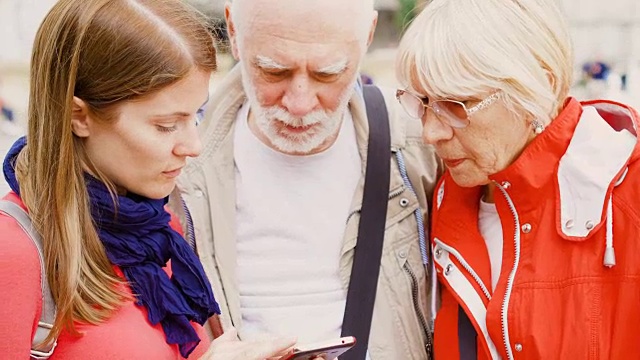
<point>328,350</point>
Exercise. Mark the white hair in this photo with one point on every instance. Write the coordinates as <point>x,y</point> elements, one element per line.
<point>336,68</point>
<point>266,62</point>
<point>359,14</point>
<point>464,48</point>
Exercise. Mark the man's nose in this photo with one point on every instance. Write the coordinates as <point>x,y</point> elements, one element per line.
<point>300,97</point>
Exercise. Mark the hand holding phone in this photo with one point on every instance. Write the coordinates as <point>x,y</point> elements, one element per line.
<point>327,350</point>
<point>229,347</point>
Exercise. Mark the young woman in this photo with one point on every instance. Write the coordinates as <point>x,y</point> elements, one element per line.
<point>116,87</point>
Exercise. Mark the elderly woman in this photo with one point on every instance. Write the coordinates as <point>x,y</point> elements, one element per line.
<point>539,189</point>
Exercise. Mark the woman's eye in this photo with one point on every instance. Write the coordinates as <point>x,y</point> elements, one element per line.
<point>166,129</point>
<point>470,102</point>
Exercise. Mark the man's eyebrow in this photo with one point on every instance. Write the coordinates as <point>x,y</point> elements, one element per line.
<point>334,69</point>
<point>268,63</point>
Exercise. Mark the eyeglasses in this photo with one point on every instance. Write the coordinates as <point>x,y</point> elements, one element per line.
<point>451,112</point>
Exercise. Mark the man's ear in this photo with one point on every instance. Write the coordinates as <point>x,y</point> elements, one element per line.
<point>373,28</point>
<point>80,118</point>
<point>231,31</point>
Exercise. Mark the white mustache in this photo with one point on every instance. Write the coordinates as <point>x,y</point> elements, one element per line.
<point>280,114</point>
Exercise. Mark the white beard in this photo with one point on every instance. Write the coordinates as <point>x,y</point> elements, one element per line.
<point>271,122</point>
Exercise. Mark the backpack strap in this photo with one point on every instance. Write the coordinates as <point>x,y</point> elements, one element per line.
<point>363,284</point>
<point>48,315</point>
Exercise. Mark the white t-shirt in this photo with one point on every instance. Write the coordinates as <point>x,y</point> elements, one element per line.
<point>291,218</point>
<point>491,231</point>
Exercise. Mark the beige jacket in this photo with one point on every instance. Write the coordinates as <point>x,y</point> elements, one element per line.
<point>401,312</point>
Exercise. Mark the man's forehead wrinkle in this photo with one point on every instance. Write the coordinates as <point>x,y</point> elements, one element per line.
<point>300,37</point>
<point>299,19</point>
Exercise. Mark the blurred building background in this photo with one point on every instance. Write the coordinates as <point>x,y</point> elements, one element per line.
<point>606,39</point>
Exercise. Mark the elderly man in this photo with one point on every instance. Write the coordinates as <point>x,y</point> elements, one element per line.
<point>276,195</point>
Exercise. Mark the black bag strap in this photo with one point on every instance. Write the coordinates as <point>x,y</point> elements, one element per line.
<point>366,262</point>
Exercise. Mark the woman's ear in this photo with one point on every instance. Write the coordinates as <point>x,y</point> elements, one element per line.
<point>552,79</point>
<point>80,118</point>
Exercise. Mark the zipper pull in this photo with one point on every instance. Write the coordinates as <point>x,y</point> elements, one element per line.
<point>429,349</point>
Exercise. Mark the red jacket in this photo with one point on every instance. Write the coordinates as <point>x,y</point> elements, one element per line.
<point>565,204</point>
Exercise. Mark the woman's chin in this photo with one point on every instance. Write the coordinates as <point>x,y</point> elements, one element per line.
<point>157,192</point>
<point>468,179</point>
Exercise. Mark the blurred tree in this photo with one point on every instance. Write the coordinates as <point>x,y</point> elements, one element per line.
<point>406,12</point>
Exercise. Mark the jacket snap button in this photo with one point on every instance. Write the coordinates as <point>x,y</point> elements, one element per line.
<point>448,269</point>
<point>569,224</point>
<point>199,193</point>
<point>402,254</point>
<point>518,347</point>
<point>526,228</point>
<point>506,185</point>
<point>438,253</point>
<point>404,202</point>
<point>589,225</point>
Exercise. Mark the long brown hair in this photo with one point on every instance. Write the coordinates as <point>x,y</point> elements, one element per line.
<point>103,52</point>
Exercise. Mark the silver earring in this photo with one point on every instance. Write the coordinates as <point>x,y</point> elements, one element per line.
<point>538,128</point>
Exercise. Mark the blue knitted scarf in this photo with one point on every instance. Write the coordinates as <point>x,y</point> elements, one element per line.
<point>138,239</point>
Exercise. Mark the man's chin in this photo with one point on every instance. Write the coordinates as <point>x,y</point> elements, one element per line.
<point>289,146</point>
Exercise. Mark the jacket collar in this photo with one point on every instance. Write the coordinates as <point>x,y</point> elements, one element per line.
<point>583,153</point>
<point>537,164</point>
